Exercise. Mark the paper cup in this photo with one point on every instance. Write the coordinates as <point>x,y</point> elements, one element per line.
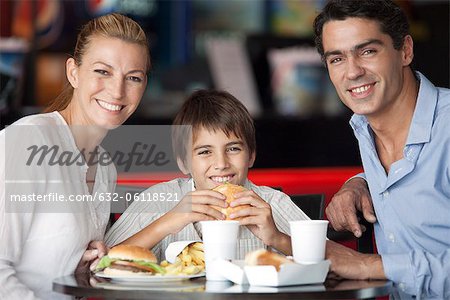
<point>220,242</point>
<point>308,240</point>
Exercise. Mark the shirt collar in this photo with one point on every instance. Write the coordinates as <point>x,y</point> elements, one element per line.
<point>422,121</point>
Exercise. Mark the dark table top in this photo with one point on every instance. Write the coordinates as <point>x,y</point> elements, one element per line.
<point>86,285</point>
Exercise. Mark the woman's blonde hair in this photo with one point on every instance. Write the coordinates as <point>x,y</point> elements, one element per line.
<point>111,26</point>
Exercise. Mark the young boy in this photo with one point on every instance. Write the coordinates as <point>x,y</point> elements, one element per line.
<point>221,148</point>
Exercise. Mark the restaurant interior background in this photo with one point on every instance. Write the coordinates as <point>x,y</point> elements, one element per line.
<point>261,51</point>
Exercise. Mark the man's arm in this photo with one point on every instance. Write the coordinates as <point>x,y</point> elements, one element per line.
<point>353,196</point>
<point>417,273</point>
<point>350,264</point>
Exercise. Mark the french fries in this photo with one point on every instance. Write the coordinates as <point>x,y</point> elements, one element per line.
<point>190,261</point>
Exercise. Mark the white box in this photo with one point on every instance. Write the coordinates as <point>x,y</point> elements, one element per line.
<point>289,274</point>
<point>233,271</point>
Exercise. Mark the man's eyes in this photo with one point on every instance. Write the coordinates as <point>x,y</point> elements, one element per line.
<point>369,51</point>
<point>334,60</point>
<point>365,52</point>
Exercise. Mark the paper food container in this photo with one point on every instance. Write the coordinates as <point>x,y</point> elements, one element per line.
<point>286,289</point>
<point>175,248</point>
<point>289,274</point>
<point>233,271</point>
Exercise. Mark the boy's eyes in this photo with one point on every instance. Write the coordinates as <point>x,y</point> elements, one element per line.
<point>229,150</point>
<point>203,152</point>
<point>234,149</point>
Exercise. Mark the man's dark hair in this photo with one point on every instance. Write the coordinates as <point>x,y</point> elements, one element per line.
<point>391,17</point>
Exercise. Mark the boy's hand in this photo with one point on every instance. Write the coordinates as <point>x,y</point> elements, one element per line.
<point>196,206</point>
<point>258,218</point>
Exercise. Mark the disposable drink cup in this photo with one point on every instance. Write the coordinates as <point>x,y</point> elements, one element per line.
<point>220,242</point>
<point>308,240</point>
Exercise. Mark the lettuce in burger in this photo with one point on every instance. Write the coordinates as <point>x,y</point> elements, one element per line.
<point>129,260</point>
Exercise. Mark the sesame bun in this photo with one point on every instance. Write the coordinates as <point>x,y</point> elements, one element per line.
<point>263,257</point>
<point>132,252</point>
<point>229,189</point>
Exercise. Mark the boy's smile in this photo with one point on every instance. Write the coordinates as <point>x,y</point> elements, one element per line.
<point>217,158</point>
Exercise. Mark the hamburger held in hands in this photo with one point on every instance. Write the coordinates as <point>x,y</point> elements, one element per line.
<point>229,190</point>
<point>129,260</point>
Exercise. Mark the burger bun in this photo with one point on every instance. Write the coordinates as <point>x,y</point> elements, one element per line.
<point>119,272</point>
<point>132,252</point>
<point>229,190</point>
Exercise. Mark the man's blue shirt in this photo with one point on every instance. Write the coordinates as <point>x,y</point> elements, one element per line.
<point>412,202</point>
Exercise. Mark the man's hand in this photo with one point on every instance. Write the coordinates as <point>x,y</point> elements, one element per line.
<point>350,264</point>
<point>352,197</point>
<point>91,257</point>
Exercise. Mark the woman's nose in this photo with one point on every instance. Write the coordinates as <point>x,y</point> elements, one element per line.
<point>116,88</point>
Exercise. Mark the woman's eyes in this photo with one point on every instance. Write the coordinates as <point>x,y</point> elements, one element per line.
<point>135,79</point>
<point>100,71</point>
<point>131,78</point>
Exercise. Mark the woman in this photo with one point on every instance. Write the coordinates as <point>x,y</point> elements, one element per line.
<point>49,208</point>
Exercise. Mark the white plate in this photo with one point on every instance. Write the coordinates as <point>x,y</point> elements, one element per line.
<point>180,286</point>
<point>148,278</point>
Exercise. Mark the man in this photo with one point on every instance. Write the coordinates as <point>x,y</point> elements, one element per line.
<point>402,123</point>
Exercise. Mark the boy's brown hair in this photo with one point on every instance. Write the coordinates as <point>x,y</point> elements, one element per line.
<point>212,110</point>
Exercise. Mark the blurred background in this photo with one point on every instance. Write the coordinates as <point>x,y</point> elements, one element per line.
<point>259,50</point>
